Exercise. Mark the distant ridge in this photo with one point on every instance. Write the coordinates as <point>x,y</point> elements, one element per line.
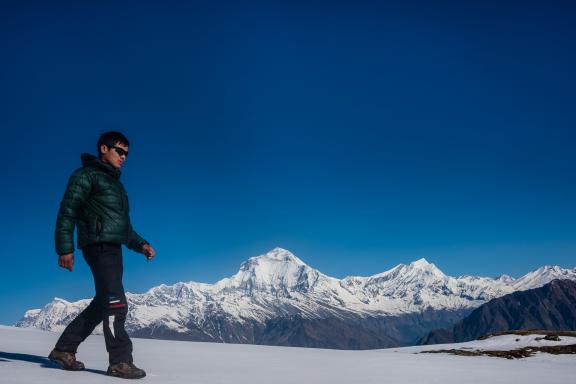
<point>551,307</point>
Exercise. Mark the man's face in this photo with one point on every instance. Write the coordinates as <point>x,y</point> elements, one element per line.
<point>110,154</point>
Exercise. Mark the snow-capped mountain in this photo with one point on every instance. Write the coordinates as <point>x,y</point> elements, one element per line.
<point>275,298</point>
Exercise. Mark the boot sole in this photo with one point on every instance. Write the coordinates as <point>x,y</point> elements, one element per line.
<point>63,366</point>
<point>120,376</point>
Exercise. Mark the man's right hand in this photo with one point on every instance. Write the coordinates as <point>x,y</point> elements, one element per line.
<point>66,261</point>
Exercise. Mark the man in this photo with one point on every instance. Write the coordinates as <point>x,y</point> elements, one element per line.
<point>96,203</point>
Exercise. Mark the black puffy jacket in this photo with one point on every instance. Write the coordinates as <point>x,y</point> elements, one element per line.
<point>96,203</point>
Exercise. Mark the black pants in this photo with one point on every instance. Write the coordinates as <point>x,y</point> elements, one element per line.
<point>109,305</point>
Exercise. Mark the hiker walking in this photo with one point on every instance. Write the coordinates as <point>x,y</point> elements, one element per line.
<point>96,203</point>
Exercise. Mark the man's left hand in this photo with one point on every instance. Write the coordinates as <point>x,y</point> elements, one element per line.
<point>148,251</point>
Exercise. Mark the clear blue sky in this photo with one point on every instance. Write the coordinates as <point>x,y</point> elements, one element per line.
<point>358,136</point>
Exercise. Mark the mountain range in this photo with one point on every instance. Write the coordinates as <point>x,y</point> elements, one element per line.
<point>277,299</point>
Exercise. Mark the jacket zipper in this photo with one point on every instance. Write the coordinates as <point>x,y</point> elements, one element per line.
<point>98,227</point>
<point>124,200</point>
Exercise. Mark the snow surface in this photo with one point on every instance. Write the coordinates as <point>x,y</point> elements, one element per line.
<point>23,351</point>
<point>498,343</point>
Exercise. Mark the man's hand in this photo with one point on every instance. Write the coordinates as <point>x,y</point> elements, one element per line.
<point>148,251</point>
<point>66,261</point>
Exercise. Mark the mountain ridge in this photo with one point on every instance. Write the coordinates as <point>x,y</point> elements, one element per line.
<point>551,307</point>
<point>275,295</point>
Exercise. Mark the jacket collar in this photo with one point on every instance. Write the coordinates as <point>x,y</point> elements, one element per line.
<point>89,160</point>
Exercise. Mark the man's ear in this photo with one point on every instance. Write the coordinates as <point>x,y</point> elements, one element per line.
<point>103,149</point>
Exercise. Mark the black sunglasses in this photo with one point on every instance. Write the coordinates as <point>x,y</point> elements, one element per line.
<point>120,151</point>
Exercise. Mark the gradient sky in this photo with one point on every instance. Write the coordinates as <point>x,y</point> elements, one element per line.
<point>357,136</point>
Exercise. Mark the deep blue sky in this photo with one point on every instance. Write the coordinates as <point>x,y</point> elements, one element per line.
<point>358,136</point>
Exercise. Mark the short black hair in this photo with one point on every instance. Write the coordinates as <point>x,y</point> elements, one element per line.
<point>110,139</point>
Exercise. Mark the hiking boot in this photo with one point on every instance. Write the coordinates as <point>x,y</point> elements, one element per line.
<point>66,360</point>
<point>126,370</point>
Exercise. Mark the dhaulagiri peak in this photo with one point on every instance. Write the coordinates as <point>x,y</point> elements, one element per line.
<point>424,265</point>
<point>422,262</point>
<point>275,257</point>
<point>280,254</point>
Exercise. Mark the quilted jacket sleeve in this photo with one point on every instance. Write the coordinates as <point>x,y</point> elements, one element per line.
<point>135,241</point>
<point>77,191</point>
